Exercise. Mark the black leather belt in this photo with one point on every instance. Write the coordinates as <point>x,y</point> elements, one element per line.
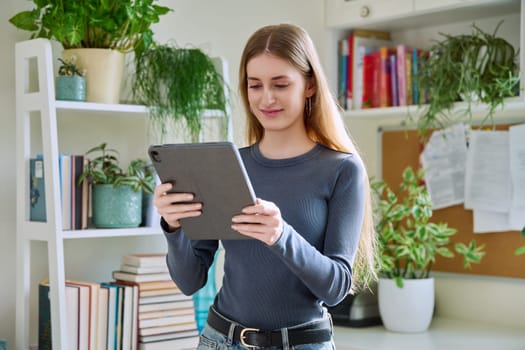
<point>317,332</point>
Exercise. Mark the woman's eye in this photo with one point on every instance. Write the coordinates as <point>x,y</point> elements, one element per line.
<point>255,86</point>
<point>281,86</point>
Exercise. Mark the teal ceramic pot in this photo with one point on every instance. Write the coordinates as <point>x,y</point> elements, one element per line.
<point>116,207</point>
<point>70,88</point>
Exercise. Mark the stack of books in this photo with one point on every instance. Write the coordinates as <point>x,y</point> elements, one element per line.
<point>165,316</point>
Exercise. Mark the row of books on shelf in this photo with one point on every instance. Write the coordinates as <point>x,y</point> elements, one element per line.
<point>74,197</point>
<point>141,309</point>
<point>373,72</point>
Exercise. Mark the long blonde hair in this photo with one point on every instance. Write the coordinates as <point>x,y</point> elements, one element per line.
<point>322,120</point>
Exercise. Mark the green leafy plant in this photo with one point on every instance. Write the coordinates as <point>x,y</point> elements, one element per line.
<point>68,68</point>
<point>521,250</point>
<point>122,25</point>
<point>408,241</point>
<point>105,169</point>
<point>476,67</point>
<point>177,84</point>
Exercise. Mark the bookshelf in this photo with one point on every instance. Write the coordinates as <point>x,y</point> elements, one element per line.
<point>417,23</point>
<point>34,59</point>
<point>35,96</point>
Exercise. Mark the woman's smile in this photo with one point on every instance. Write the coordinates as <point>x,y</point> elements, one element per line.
<point>271,112</point>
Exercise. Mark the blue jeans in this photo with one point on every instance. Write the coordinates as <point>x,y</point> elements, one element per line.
<point>210,339</point>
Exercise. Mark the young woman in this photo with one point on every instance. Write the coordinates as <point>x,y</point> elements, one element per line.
<point>311,224</point>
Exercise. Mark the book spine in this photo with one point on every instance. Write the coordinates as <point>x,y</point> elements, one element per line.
<point>385,91</point>
<point>37,190</point>
<point>415,89</point>
<point>368,80</point>
<point>376,76</point>
<point>408,78</point>
<point>79,195</point>
<point>343,61</point>
<point>44,318</point>
<point>350,73</point>
<point>401,75</point>
<point>393,79</point>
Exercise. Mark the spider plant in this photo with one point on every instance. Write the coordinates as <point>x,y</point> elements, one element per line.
<point>177,84</point>
<point>476,67</point>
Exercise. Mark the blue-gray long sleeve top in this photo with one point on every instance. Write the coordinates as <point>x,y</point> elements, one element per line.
<point>321,197</point>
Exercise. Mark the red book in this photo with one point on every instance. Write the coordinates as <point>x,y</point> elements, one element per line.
<point>349,72</point>
<point>368,80</point>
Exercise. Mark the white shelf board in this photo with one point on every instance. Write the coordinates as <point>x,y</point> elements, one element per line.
<point>115,232</point>
<point>100,107</point>
<point>119,108</point>
<point>511,105</point>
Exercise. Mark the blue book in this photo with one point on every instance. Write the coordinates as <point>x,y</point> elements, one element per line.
<point>113,315</point>
<point>342,73</point>
<point>415,88</point>
<point>37,190</point>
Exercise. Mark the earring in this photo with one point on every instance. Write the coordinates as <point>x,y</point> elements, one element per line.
<point>308,107</point>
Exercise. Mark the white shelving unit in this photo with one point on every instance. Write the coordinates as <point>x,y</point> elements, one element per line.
<point>38,53</point>
<point>34,59</point>
<point>416,22</point>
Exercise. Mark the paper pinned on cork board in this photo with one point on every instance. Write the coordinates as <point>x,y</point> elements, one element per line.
<point>487,174</point>
<point>444,160</point>
<point>517,164</point>
<point>495,180</point>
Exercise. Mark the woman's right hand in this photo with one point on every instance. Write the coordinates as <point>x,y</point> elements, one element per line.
<point>174,206</point>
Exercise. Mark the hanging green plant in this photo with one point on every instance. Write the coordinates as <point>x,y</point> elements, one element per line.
<point>477,67</point>
<point>177,84</point>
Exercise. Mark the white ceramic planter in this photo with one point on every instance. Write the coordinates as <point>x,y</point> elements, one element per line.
<point>408,309</point>
<point>104,69</point>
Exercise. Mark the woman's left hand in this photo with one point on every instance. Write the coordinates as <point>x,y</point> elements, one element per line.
<point>261,221</point>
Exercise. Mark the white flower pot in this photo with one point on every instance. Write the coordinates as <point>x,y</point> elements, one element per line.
<point>408,309</point>
<point>104,69</point>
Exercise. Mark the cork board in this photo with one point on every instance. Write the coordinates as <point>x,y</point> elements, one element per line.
<point>401,148</point>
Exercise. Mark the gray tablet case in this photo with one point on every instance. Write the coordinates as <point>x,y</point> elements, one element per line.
<point>215,174</point>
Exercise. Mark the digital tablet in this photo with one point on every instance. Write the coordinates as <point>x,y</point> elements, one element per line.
<point>215,174</point>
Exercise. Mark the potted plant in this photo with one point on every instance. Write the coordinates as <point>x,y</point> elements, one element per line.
<point>477,67</point>
<point>148,174</point>
<point>98,25</point>
<point>408,245</point>
<point>70,85</point>
<point>178,84</point>
<point>117,194</point>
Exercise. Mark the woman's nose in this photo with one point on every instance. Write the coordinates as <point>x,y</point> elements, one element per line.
<point>268,96</point>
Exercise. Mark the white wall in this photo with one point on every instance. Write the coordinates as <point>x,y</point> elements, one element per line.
<point>221,29</point>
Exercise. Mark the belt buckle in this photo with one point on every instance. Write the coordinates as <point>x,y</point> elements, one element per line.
<point>242,337</point>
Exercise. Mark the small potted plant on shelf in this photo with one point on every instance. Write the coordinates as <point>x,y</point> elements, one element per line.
<point>178,84</point>
<point>408,245</point>
<point>116,194</point>
<point>70,85</point>
<point>474,68</point>
<point>98,32</point>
